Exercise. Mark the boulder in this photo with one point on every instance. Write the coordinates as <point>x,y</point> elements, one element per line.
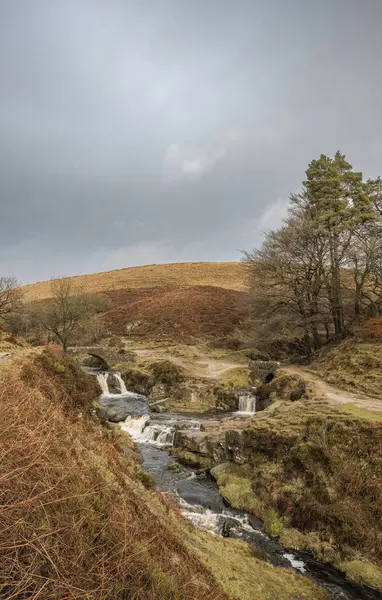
<point>193,441</point>
<point>299,391</point>
<point>219,469</point>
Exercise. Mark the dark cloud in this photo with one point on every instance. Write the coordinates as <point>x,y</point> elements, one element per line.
<point>133,132</point>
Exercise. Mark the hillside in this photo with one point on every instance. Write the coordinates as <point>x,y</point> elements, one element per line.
<point>79,518</point>
<point>179,312</point>
<point>178,302</point>
<point>227,275</point>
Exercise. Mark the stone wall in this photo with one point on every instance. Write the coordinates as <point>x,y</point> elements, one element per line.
<point>263,370</point>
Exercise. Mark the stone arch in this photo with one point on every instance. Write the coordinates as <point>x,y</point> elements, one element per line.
<point>96,361</point>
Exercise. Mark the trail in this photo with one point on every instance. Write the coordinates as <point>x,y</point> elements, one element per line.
<point>333,394</point>
<point>199,365</point>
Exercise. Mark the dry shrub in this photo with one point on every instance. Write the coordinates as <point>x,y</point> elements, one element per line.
<point>75,523</point>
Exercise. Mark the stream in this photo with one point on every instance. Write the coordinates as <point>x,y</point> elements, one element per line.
<point>199,497</point>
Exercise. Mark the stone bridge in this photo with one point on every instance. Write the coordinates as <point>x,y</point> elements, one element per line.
<point>265,370</point>
<point>104,358</point>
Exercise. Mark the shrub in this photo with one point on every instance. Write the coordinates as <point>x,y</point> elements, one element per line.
<point>167,372</point>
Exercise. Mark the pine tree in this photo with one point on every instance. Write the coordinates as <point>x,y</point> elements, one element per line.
<point>339,204</point>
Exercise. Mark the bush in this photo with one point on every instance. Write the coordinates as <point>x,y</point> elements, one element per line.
<point>167,372</point>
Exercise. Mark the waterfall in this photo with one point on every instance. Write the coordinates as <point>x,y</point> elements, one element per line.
<point>135,425</point>
<point>161,435</point>
<point>122,385</point>
<point>247,403</point>
<point>156,434</point>
<point>102,380</point>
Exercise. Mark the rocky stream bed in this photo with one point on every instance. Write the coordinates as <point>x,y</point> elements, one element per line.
<point>198,494</point>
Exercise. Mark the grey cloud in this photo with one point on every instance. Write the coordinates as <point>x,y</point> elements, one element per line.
<point>162,131</point>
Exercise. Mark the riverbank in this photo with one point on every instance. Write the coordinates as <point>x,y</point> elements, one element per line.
<point>79,515</point>
<point>310,472</point>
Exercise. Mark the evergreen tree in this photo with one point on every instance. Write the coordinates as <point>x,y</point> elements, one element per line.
<point>339,204</point>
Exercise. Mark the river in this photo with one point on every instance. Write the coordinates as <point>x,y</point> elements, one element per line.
<point>201,502</point>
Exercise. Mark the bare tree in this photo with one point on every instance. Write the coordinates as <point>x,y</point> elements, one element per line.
<point>10,296</point>
<point>287,276</point>
<point>68,310</point>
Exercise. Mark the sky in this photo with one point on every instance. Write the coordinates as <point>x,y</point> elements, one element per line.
<point>136,132</point>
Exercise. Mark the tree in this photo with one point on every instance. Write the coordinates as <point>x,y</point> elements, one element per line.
<point>67,311</point>
<point>321,272</point>
<point>10,296</point>
<point>339,204</point>
<point>287,281</point>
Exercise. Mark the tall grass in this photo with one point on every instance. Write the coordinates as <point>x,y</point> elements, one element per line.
<point>75,522</point>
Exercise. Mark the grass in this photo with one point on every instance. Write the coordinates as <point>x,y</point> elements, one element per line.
<point>319,469</point>
<point>245,576</point>
<point>229,275</point>
<point>75,521</point>
<point>362,572</point>
<point>362,413</point>
<point>237,377</point>
<point>235,485</point>
<point>353,365</point>
<point>78,517</point>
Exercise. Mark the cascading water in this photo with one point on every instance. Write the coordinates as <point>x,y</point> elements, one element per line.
<point>247,403</point>
<point>135,425</point>
<point>122,385</point>
<point>102,380</point>
<point>158,434</point>
<point>140,431</point>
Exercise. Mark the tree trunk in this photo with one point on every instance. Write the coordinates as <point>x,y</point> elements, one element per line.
<point>336,292</point>
<point>315,337</point>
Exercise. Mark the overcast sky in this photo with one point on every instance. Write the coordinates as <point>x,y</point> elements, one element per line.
<point>135,132</point>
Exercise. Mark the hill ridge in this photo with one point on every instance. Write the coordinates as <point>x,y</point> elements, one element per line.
<point>227,275</point>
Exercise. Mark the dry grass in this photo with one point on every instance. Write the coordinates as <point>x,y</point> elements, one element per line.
<point>75,523</point>
<point>353,365</point>
<point>176,313</point>
<point>229,275</point>
<point>237,377</point>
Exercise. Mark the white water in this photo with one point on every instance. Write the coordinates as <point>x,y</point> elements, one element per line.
<point>207,519</point>
<point>156,434</point>
<point>102,380</point>
<point>296,564</point>
<point>134,425</point>
<point>122,385</point>
<point>247,403</point>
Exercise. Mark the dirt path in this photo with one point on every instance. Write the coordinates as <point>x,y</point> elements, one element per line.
<point>199,365</point>
<point>334,394</point>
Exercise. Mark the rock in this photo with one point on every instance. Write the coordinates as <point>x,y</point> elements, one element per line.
<point>298,393</point>
<point>116,414</point>
<point>158,408</point>
<point>263,396</point>
<point>99,414</point>
<point>193,441</point>
<point>158,392</point>
<point>219,469</point>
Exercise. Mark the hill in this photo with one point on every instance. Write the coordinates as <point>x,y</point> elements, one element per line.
<point>227,275</point>
<point>179,313</point>
<point>177,302</point>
